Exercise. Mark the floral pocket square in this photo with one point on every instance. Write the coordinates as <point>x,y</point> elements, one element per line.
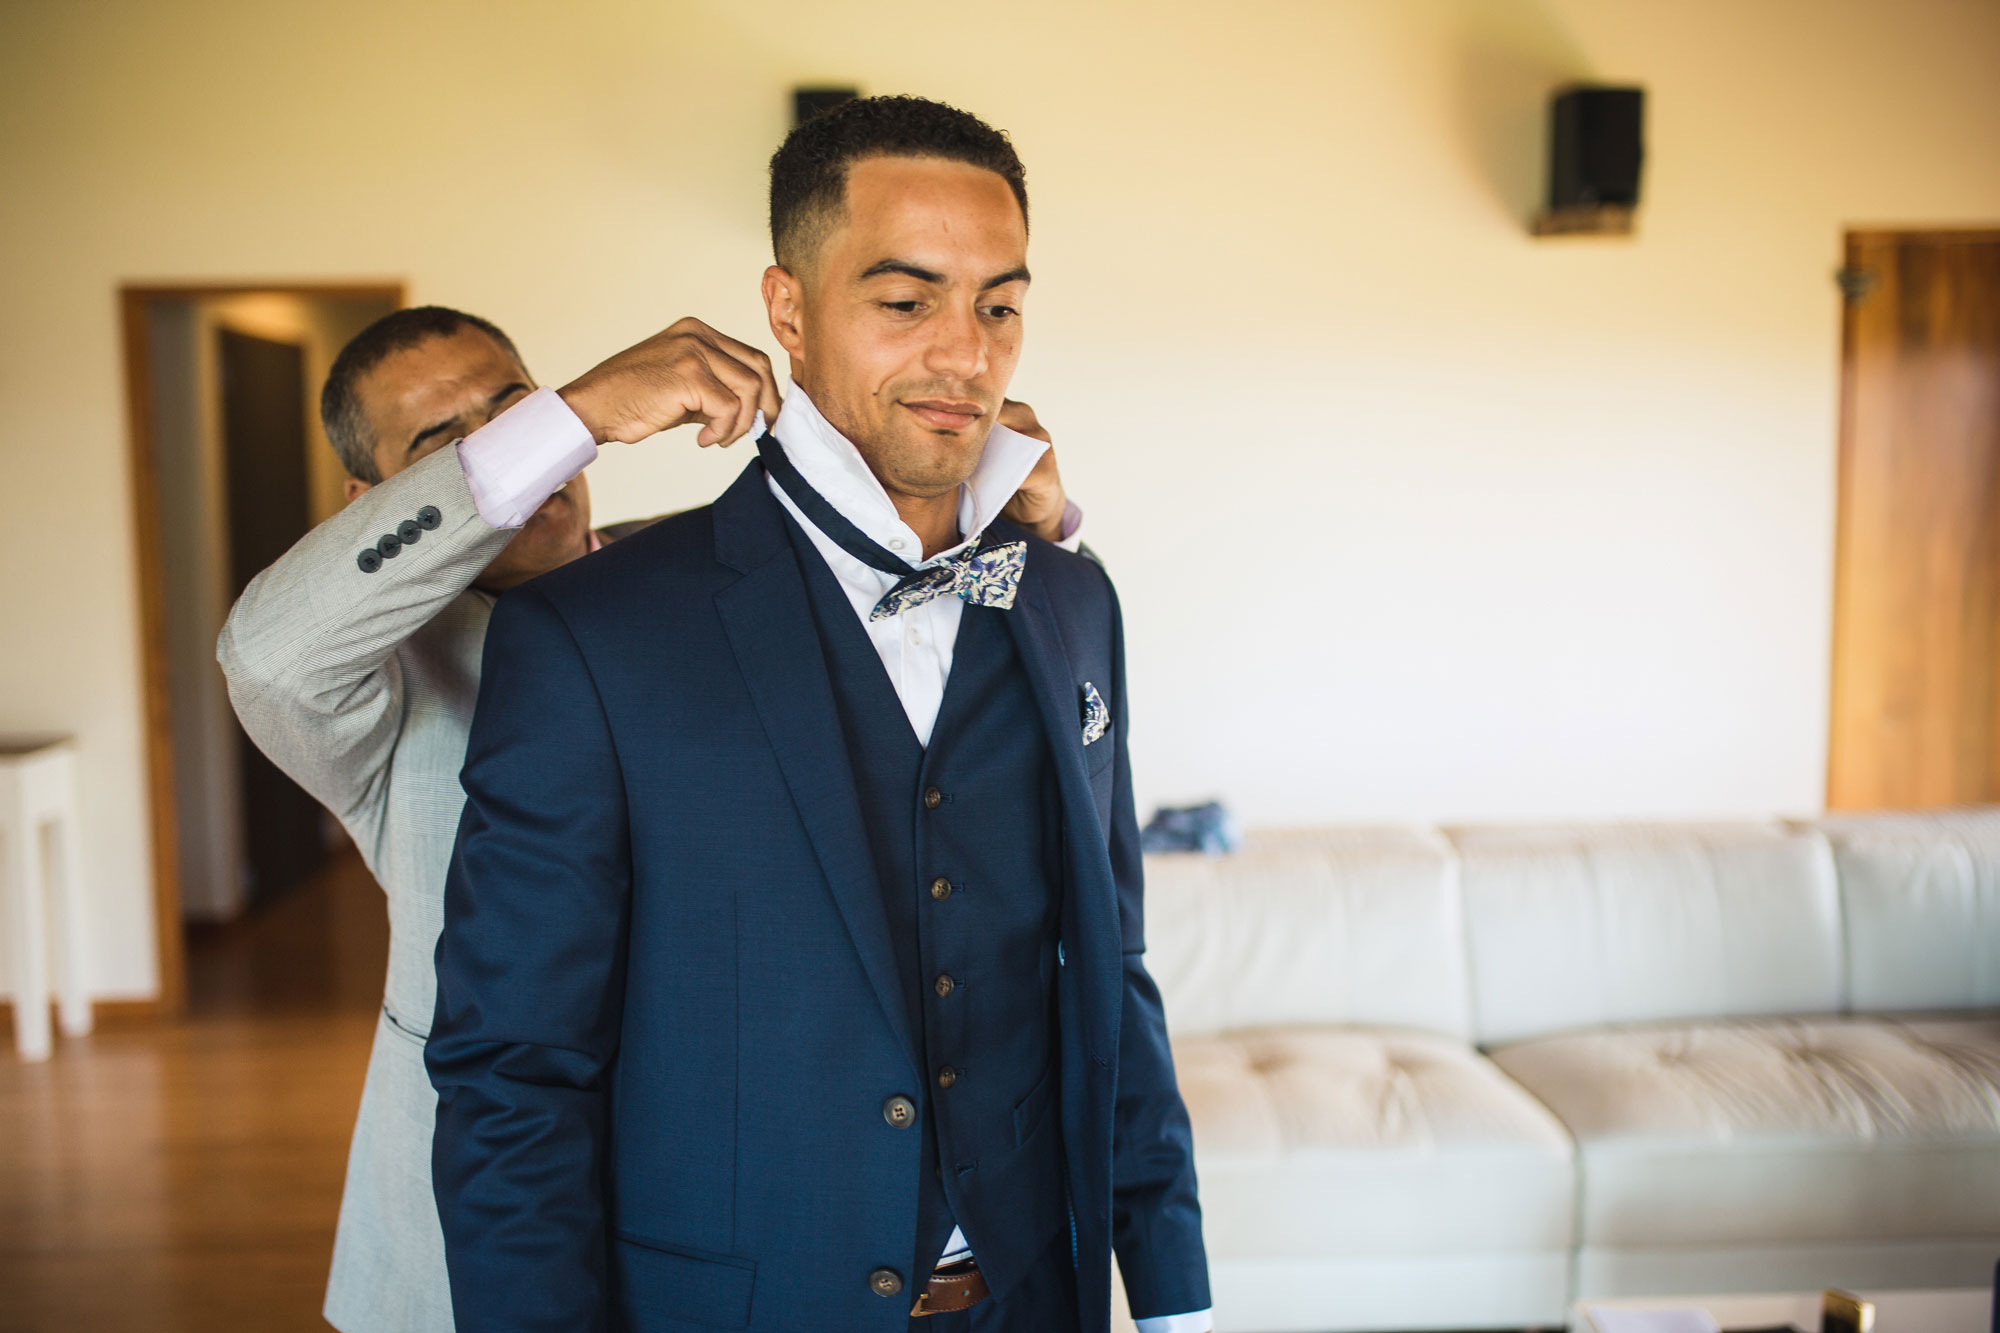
<point>1096,717</point>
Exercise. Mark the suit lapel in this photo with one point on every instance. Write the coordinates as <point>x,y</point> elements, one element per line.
<point>770,629</point>
<point>1039,640</point>
<point>1090,908</point>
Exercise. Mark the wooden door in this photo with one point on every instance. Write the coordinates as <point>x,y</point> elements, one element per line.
<point>270,507</point>
<point>1916,652</point>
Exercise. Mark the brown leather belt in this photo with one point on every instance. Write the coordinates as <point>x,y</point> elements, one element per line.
<point>954,1287</point>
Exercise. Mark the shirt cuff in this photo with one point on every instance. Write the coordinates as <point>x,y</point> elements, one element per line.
<point>1071,539</point>
<point>1198,1322</point>
<point>523,456</point>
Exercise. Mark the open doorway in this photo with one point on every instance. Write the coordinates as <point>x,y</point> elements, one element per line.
<point>231,468</point>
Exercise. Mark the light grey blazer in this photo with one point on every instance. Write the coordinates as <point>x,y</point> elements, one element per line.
<point>361,686</point>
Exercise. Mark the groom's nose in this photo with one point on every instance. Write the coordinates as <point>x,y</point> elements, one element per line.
<point>957,349</point>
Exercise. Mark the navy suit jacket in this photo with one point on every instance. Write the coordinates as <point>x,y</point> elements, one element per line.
<point>668,1010</point>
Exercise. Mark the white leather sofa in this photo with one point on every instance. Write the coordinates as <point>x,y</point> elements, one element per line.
<point>1460,1078</point>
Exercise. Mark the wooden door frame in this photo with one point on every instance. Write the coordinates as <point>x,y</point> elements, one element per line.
<point>1852,240</point>
<point>135,303</point>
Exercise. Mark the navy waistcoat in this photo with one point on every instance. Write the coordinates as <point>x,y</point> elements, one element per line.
<point>974,912</point>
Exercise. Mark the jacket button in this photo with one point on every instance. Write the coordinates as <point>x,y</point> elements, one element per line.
<point>390,546</point>
<point>885,1282</point>
<point>429,518</point>
<point>940,887</point>
<point>370,560</point>
<point>933,798</point>
<point>900,1111</point>
<point>947,1076</point>
<point>408,532</point>
<point>944,985</point>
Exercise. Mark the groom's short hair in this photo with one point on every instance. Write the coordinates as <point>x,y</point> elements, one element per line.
<point>809,170</point>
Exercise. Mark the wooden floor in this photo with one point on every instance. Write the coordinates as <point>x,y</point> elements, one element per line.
<point>186,1176</point>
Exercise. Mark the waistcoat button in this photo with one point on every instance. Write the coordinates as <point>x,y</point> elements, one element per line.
<point>900,1111</point>
<point>947,1076</point>
<point>944,986</point>
<point>940,888</point>
<point>933,798</point>
<point>885,1282</point>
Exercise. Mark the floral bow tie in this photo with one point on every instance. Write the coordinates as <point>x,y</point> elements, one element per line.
<point>983,576</point>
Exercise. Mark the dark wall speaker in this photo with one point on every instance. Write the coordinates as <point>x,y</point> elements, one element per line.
<point>809,102</point>
<point>1596,148</point>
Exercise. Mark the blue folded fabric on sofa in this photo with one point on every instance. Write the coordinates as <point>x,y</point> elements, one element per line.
<point>1210,829</point>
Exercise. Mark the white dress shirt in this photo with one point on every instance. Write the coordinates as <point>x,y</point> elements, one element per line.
<point>523,456</point>
<point>916,645</point>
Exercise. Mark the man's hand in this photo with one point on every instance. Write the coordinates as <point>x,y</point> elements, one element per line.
<point>1040,503</point>
<point>687,372</point>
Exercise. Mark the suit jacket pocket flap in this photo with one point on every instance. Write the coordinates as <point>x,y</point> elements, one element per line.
<point>684,1284</point>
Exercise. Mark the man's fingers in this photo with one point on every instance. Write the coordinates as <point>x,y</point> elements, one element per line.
<point>767,398</point>
<point>713,402</point>
<point>1044,472</point>
<point>1018,416</point>
<point>742,382</point>
<point>1035,486</point>
<point>686,372</point>
<point>753,391</point>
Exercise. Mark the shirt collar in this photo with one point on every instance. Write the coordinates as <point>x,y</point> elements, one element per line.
<point>832,465</point>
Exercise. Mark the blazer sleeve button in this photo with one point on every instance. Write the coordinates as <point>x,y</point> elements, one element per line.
<point>408,532</point>
<point>390,546</point>
<point>370,560</point>
<point>429,518</point>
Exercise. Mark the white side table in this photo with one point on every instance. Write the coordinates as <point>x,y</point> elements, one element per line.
<point>39,878</point>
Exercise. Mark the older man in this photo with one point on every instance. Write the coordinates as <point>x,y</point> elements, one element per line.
<point>354,662</point>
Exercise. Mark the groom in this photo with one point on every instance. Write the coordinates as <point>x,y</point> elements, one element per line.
<point>791,972</point>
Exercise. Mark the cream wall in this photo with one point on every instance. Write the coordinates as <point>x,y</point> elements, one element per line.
<point>1412,515</point>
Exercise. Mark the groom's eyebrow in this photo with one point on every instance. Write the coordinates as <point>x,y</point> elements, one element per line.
<point>909,270</point>
<point>904,267</point>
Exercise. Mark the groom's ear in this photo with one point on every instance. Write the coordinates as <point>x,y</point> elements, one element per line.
<point>784,301</point>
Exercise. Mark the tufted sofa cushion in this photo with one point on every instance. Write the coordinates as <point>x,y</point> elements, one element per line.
<point>1777,1131</point>
<point>1316,926</point>
<point>1920,896</point>
<point>1316,1142</point>
<point>1576,927</point>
